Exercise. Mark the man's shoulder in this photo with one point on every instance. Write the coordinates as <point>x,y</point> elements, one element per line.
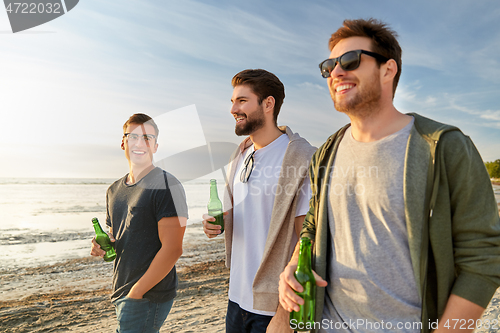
<point>171,179</point>
<point>434,130</point>
<point>332,139</point>
<point>159,179</point>
<point>117,183</point>
<point>452,140</point>
<point>299,145</point>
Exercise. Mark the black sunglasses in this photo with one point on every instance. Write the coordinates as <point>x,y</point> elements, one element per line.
<point>247,170</point>
<point>349,61</point>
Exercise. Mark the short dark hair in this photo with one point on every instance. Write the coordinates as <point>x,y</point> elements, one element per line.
<point>139,119</point>
<point>384,40</point>
<point>263,84</point>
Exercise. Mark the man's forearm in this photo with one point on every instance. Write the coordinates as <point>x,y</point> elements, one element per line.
<point>161,265</point>
<point>295,255</point>
<point>458,315</point>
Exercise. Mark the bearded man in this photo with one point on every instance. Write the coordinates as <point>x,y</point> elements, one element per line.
<point>266,200</point>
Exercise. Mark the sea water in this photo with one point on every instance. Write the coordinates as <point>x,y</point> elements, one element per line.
<point>44,221</point>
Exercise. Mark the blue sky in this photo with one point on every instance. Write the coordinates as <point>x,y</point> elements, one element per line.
<point>66,87</point>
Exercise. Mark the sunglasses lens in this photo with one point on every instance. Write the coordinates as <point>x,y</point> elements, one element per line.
<point>326,67</point>
<point>247,170</point>
<point>349,61</point>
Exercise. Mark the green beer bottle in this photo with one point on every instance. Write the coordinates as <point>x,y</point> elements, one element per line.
<point>215,206</point>
<point>303,320</point>
<point>103,240</point>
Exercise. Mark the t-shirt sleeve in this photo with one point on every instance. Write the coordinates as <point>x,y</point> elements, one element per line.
<point>171,202</point>
<point>304,197</point>
<point>108,217</point>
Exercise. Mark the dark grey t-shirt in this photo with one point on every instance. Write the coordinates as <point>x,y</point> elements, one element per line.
<point>133,212</point>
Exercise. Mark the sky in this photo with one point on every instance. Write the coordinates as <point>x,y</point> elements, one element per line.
<point>67,86</point>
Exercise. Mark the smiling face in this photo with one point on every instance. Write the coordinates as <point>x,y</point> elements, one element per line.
<point>356,92</point>
<point>247,111</point>
<point>139,152</point>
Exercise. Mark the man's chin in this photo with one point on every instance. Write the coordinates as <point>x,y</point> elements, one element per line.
<point>241,131</point>
<point>142,160</point>
<point>347,107</point>
<point>341,108</point>
<point>249,127</point>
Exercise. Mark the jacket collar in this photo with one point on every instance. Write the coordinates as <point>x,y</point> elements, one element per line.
<point>416,190</point>
<point>421,175</point>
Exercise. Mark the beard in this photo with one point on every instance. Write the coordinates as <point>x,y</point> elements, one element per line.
<point>363,104</point>
<point>253,123</point>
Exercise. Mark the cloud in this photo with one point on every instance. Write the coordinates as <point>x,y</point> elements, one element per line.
<point>491,115</point>
<point>107,60</point>
<point>224,35</point>
<point>309,85</point>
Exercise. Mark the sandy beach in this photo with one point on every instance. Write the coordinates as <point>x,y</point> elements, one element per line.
<point>73,296</point>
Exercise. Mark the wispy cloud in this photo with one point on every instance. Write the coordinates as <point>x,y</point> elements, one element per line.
<point>309,85</point>
<point>492,117</point>
<point>108,60</point>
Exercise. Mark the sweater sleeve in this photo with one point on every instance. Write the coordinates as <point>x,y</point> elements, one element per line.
<point>475,221</point>
<point>309,226</point>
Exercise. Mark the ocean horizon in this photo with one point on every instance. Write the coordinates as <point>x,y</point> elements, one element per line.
<point>47,220</point>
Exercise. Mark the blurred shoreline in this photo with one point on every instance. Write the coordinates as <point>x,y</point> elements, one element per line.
<point>74,294</point>
<point>47,221</point>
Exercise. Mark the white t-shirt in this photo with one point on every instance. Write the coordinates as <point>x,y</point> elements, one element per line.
<point>253,205</point>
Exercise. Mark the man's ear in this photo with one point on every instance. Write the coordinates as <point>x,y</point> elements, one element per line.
<point>268,104</point>
<point>390,69</point>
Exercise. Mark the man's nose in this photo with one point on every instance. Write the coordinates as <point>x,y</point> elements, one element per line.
<point>234,109</point>
<point>141,141</point>
<point>337,71</point>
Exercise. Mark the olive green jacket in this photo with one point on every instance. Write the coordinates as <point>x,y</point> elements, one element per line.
<point>451,217</point>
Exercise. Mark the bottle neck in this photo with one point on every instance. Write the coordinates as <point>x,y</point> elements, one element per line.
<point>97,228</point>
<point>213,191</point>
<point>304,255</point>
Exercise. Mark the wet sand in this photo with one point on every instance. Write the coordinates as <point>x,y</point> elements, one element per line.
<point>73,296</point>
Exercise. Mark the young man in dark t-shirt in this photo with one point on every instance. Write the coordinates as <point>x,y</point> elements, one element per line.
<point>147,215</point>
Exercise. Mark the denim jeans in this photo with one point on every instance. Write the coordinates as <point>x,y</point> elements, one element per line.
<point>242,321</point>
<point>140,315</point>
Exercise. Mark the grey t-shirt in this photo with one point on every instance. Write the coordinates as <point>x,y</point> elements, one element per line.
<point>133,212</point>
<point>371,282</point>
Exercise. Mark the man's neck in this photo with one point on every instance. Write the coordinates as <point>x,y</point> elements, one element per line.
<point>378,125</point>
<point>137,173</point>
<point>265,136</point>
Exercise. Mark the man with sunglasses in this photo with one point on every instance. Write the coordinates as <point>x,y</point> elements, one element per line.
<point>403,217</point>
<point>266,198</point>
<point>146,212</point>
